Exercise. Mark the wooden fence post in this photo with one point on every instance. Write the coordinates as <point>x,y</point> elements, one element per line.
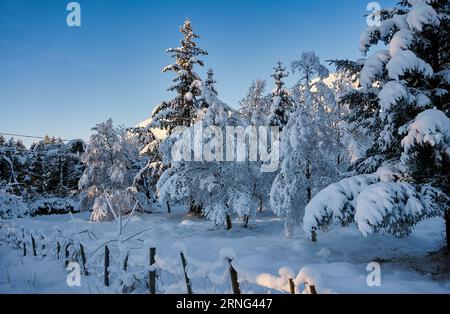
<point>311,289</point>
<point>43,246</point>
<point>33,244</point>
<point>83,259</point>
<point>125,262</point>
<point>186,277</point>
<point>234,278</point>
<point>106,274</point>
<point>66,254</point>
<point>292,285</point>
<point>152,273</point>
<point>58,250</point>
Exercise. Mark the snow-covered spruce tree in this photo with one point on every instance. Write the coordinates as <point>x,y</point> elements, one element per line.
<point>219,187</point>
<point>108,173</point>
<point>308,146</point>
<point>403,102</point>
<point>182,110</point>
<point>281,101</point>
<point>210,82</point>
<point>210,87</point>
<point>255,106</point>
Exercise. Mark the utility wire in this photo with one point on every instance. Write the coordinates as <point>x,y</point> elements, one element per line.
<point>29,136</point>
<point>34,152</point>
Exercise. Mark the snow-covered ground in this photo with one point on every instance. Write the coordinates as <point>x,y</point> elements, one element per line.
<point>340,257</point>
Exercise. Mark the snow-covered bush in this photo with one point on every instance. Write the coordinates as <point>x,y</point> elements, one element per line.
<point>11,206</point>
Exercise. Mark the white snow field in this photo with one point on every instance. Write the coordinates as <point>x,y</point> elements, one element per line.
<point>261,256</point>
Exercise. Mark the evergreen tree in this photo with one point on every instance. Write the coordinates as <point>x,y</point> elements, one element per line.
<point>210,82</point>
<point>403,102</point>
<point>281,101</point>
<point>182,110</point>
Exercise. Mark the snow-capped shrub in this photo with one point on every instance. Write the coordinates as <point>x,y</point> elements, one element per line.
<point>100,211</point>
<point>11,206</point>
<point>52,206</point>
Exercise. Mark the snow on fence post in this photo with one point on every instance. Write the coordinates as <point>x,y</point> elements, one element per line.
<point>310,288</point>
<point>186,278</point>
<point>234,278</point>
<point>311,278</point>
<point>106,273</point>
<point>83,259</point>
<point>152,272</point>
<point>33,244</point>
<point>292,285</point>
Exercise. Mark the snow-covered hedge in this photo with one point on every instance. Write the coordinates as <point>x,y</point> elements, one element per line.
<point>52,206</point>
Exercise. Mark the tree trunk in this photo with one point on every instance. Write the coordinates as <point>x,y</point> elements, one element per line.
<point>195,209</point>
<point>308,194</point>
<point>186,278</point>
<point>229,224</point>
<point>152,273</point>
<point>246,218</point>
<point>168,207</point>
<point>234,279</point>
<point>447,229</point>
<point>106,267</point>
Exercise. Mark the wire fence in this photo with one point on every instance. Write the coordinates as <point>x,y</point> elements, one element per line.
<point>135,267</point>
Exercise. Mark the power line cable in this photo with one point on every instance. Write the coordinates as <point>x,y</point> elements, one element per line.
<point>30,136</point>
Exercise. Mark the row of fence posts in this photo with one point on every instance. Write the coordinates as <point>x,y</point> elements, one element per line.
<point>152,272</point>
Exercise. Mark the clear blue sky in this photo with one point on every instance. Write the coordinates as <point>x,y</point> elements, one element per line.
<point>60,81</point>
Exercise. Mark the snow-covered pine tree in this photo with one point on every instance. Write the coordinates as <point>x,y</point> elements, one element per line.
<point>210,82</point>
<point>403,102</point>
<point>107,174</point>
<point>255,106</point>
<point>308,145</point>
<point>210,85</point>
<point>182,110</point>
<point>281,100</point>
